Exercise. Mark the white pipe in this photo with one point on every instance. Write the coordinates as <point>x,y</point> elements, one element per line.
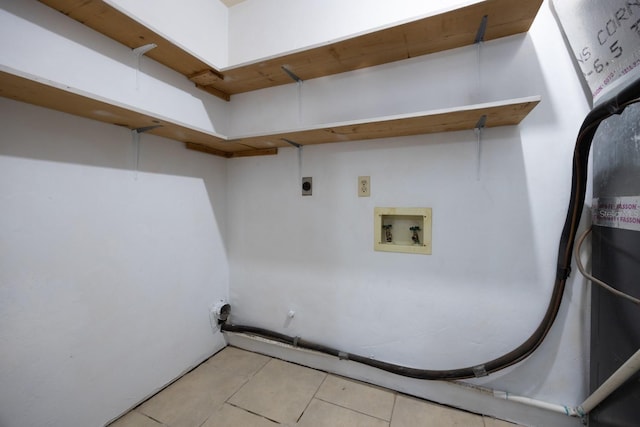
<point>505,395</point>
<point>561,409</point>
<point>619,377</point>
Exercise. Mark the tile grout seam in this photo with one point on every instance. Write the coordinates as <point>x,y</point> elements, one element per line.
<point>353,410</point>
<point>247,379</point>
<point>326,375</point>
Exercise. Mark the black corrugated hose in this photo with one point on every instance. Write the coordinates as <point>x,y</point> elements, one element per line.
<point>615,105</point>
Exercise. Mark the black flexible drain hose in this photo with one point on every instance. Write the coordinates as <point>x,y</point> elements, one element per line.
<point>616,105</point>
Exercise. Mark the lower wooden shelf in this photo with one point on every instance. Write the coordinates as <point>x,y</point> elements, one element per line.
<point>62,98</point>
<point>500,113</point>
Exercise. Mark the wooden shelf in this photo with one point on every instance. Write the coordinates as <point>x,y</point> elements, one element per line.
<point>434,33</point>
<point>106,19</point>
<point>57,97</point>
<point>50,95</point>
<point>503,113</point>
<point>447,30</point>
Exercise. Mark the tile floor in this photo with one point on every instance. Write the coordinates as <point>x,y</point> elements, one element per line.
<point>239,388</point>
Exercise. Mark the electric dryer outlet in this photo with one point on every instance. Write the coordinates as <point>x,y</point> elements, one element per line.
<point>307,186</point>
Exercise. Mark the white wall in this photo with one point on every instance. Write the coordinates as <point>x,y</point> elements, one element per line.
<point>198,26</point>
<point>67,182</point>
<point>259,28</point>
<point>38,40</point>
<point>106,275</point>
<point>487,284</point>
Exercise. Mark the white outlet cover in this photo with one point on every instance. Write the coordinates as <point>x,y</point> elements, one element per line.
<point>364,186</point>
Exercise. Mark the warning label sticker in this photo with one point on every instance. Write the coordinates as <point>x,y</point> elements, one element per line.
<point>617,212</point>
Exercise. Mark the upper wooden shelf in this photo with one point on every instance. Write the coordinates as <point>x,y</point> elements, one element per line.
<point>63,98</point>
<point>434,33</point>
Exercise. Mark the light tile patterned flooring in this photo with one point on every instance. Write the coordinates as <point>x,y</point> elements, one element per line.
<point>237,388</point>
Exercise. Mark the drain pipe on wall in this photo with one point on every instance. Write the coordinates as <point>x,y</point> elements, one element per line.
<point>505,395</point>
<point>619,377</point>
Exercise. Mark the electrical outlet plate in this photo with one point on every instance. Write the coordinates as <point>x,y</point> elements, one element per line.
<point>364,186</point>
<point>307,186</point>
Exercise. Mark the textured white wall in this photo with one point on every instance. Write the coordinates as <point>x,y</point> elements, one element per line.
<point>488,282</point>
<point>199,26</point>
<point>259,28</point>
<point>106,276</point>
<point>40,41</point>
<point>480,294</point>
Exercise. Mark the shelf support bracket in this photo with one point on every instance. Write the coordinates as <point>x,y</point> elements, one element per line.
<point>299,147</point>
<point>135,134</point>
<point>292,143</point>
<point>478,129</point>
<point>299,82</point>
<point>291,74</point>
<point>139,51</point>
<point>482,29</point>
<point>479,41</point>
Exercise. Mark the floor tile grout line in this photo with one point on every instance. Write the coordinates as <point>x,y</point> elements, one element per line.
<point>256,368</point>
<point>206,419</point>
<point>360,382</point>
<point>150,417</point>
<point>166,386</point>
<point>324,380</point>
<point>352,410</point>
<point>216,368</point>
<point>393,409</point>
<point>254,413</point>
<point>249,377</point>
<point>326,375</point>
<point>436,403</point>
<point>257,372</point>
<point>215,411</point>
